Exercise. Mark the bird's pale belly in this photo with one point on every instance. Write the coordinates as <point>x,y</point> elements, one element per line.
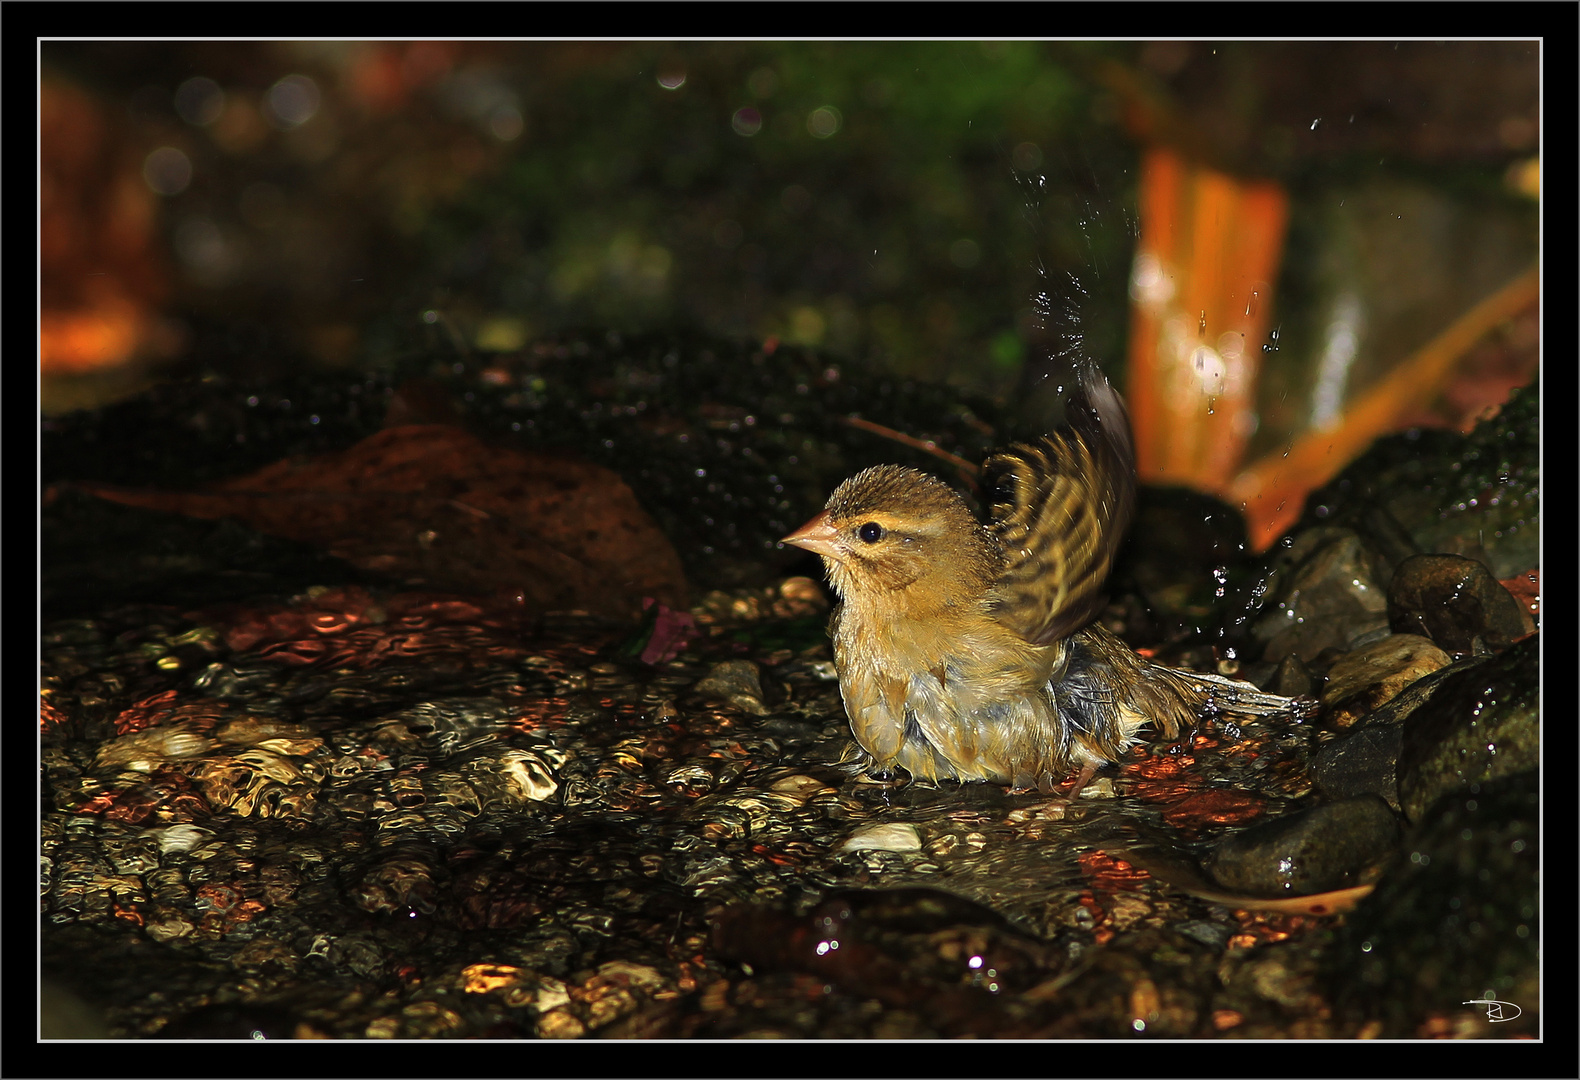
<point>935,732</point>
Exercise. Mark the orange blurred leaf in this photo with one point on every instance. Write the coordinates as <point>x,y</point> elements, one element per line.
<point>1274,489</point>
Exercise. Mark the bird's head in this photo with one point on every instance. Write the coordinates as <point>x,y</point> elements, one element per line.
<point>890,528</point>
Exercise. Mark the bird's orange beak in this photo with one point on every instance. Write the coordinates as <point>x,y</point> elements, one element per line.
<point>816,535</point>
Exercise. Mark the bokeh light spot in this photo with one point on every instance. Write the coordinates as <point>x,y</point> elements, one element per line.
<point>167,171</point>
<point>292,101</point>
<point>807,326</point>
<point>502,334</point>
<point>199,101</point>
<point>1150,283</point>
<point>506,123</point>
<point>824,121</point>
<point>1007,351</point>
<point>762,82</point>
<point>1210,369</point>
<point>203,250</point>
<point>747,121</point>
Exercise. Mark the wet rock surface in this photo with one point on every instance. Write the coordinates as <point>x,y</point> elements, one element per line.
<point>1365,761</point>
<point>1366,678</point>
<point>1419,535</point>
<point>1318,850</point>
<point>308,801</point>
<point>1482,723</point>
<point>1470,871</point>
<point>1433,492</point>
<point>1330,596</point>
<point>1456,602</point>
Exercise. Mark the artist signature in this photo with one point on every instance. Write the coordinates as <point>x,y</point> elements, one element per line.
<point>1497,1011</point>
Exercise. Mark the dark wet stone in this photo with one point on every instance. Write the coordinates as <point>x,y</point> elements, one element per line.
<point>1395,710</point>
<point>1208,933</point>
<point>1491,502</point>
<point>1314,851</point>
<point>1484,723</point>
<point>1371,675</point>
<point>1323,592</point>
<point>736,681</point>
<point>1362,762</point>
<point>1455,601</point>
<point>1291,678</point>
<point>1383,534</point>
<point>686,420</point>
<point>1476,495</point>
<point>1454,918</point>
<point>1178,540</point>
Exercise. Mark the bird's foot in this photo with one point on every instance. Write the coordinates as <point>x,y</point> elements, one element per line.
<point>1084,777</point>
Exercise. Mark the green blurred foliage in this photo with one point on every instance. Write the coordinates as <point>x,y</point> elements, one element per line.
<point>907,235</point>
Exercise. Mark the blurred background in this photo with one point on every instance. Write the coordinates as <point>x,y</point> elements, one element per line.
<point>1278,250</point>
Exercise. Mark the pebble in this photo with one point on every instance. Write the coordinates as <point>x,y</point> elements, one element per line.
<point>1316,850</point>
<point>1365,678</point>
<point>146,751</point>
<point>737,681</point>
<point>180,838</point>
<point>560,1024</point>
<point>1363,762</point>
<point>1456,602</point>
<point>527,774</point>
<point>800,787</point>
<point>884,836</point>
<point>1323,593</point>
<point>1291,678</point>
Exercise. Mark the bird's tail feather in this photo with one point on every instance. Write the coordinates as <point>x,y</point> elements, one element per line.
<point>1242,698</point>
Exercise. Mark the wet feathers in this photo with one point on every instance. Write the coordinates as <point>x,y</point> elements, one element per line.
<point>968,651</point>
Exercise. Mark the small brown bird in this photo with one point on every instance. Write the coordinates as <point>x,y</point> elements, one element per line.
<point>968,651</point>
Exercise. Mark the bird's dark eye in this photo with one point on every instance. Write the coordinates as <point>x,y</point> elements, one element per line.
<point>870,533</point>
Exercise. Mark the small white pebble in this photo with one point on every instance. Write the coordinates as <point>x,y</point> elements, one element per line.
<point>884,836</point>
<point>180,838</point>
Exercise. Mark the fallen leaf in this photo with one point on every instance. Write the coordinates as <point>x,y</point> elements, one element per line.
<point>1184,875</point>
<point>1527,589</point>
<point>435,506</point>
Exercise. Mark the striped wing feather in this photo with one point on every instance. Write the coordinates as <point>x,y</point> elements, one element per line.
<point>1060,506</point>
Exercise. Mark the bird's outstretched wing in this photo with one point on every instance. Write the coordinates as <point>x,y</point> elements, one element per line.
<point>1060,506</point>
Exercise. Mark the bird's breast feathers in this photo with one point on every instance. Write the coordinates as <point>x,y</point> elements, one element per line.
<point>962,704</point>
